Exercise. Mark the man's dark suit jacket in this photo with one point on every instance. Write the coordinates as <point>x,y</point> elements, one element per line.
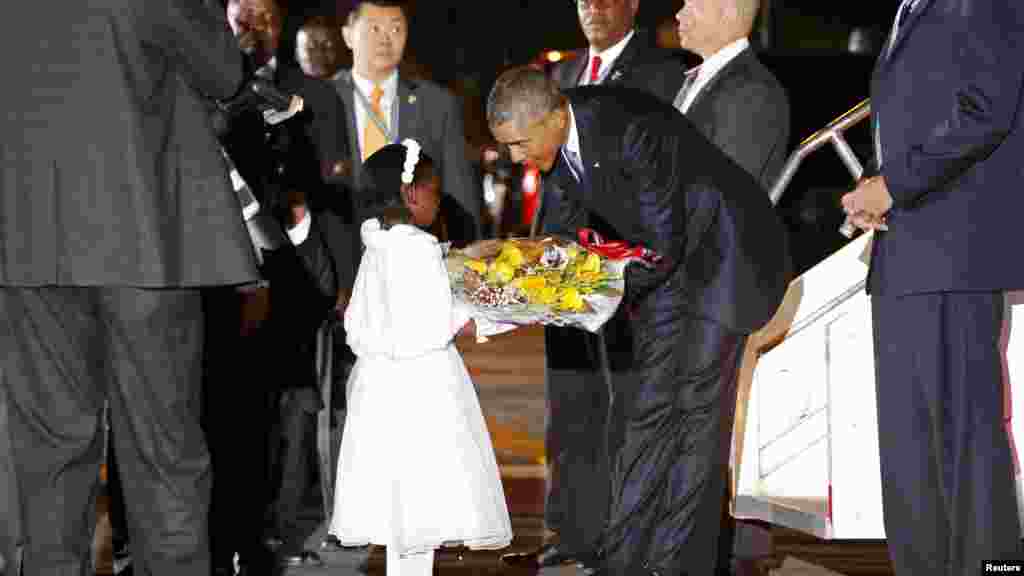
<point>259,151</point>
<point>651,175</point>
<point>641,65</point>
<point>109,170</point>
<point>744,111</point>
<point>433,117</point>
<point>948,108</point>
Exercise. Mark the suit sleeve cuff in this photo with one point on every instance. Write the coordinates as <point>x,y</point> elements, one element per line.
<point>300,232</point>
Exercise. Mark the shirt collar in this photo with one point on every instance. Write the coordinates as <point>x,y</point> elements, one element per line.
<point>389,86</point>
<point>713,64</point>
<point>612,53</point>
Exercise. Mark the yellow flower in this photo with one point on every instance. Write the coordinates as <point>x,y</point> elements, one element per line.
<point>530,283</point>
<point>571,300</point>
<point>500,273</point>
<point>511,255</point>
<point>547,295</point>
<point>477,266</point>
<point>592,263</point>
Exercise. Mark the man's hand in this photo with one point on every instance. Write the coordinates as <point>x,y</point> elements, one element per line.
<point>867,205</point>
<point>483,248</point>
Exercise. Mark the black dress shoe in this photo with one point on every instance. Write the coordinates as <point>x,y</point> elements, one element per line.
<point>543,557</point>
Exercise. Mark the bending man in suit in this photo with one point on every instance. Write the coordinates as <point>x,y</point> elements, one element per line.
<point>740,106</point>
<point>115,207</point>
<point>945,206</point>
<point>578,389</point>
<point>385,108</point>
<point>721,272</point>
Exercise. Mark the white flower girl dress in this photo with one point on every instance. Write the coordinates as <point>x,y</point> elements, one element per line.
<point>416,467</point>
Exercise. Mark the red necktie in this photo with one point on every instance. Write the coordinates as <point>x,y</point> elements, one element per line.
<point>595,67</point>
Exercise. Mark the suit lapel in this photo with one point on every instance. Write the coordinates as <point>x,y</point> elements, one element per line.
<point>408,107</point>
<point>588,152</point>
<point>344,86</point>
<point>901,34</point>
<point>628,57</point>
<point>734,66</point>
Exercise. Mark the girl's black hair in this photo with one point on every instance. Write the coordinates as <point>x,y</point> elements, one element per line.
<point>382,184</point>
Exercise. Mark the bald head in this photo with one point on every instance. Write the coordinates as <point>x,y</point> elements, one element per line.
<point>707,26</point>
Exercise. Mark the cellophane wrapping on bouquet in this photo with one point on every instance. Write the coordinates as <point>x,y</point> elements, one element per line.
<point>551,281</point>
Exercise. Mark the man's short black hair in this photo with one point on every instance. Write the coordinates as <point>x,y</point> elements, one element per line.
<point>357,8</point>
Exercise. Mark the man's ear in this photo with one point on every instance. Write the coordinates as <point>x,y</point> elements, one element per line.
<point>348,35</point>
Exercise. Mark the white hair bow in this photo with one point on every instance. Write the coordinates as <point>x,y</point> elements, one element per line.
<point>412,158</point>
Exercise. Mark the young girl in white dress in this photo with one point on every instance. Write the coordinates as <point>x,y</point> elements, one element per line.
<point>416,468</point>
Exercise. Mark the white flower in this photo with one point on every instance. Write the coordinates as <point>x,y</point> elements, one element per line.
<point>412,158</point>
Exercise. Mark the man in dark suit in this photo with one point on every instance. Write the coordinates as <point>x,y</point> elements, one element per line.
<point>298,164</point>
<point>717,271</point>
<point>385,107</point>
<point>581,368</point>
<point>741,107</point>
<point>115,207</point>
<point>945,103</point>
<point>731,97</point>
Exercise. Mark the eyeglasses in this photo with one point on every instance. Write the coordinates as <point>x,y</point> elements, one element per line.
<point>590,3</point>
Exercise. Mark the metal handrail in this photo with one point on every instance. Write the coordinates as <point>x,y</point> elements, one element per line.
<point>833,133</point>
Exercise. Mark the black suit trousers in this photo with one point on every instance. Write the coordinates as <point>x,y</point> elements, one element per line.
<point>948,489</point>
<point>578,401</point>
<point>670,436</point>
<point>237,420</point>
<point>65,351</point>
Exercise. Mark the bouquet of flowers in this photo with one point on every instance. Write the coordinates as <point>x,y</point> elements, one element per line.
<point>537,281</point>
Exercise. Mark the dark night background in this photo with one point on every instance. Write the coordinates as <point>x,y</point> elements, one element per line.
<point>821,51</point>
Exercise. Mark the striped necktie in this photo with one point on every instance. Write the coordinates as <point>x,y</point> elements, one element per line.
<point>373,137</point>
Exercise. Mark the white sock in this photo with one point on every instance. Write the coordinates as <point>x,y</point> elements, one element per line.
<point>411,565</point>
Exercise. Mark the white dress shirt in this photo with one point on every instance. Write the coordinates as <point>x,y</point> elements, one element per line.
<point>608,58</point>
<point>572,147</point>
<point>711,66</point>
<point>387,101</point>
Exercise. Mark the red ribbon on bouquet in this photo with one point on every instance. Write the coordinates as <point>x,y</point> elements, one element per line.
<point>617,250</point>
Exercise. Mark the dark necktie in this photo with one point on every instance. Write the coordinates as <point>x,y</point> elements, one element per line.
<point>595,69</point>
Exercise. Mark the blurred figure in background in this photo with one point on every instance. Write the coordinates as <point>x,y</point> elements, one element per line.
<point>319,48</point>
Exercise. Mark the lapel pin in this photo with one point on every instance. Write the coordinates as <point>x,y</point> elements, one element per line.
<point>412,98</point>
<point>616,75</point>
<point>597,164</point>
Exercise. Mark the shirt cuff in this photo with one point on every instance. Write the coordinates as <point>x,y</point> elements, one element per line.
<point>300,232</point>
